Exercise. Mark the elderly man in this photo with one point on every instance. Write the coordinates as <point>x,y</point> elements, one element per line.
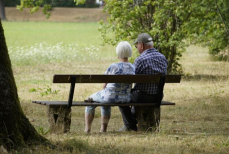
<point>150,61</point>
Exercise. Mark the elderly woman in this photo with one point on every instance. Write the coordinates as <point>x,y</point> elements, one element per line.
<point>112,92</point>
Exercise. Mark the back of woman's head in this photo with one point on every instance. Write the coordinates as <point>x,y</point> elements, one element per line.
<point>124,49</point>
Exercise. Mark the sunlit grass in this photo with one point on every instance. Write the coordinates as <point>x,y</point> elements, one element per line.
<point>198,123</point>
<point>31,33</point>
<point>198,61</point>
<point>43,53</point>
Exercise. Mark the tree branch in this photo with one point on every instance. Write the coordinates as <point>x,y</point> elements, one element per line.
<point>220,14</point>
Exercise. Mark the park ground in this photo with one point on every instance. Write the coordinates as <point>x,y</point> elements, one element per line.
<point>39,48</point>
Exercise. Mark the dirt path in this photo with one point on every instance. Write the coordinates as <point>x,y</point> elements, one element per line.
<point>58,14</point>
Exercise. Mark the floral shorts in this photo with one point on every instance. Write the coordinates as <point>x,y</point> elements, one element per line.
<point>105,110</point>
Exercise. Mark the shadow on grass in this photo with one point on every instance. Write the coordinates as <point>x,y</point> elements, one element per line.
<point>189,77</point>
<point>75,145</point>
<point>66,146</point>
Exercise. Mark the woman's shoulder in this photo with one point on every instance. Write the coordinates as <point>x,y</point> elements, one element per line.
<point>121,65</point>
<point>124,64</point>
<point>113,65</point>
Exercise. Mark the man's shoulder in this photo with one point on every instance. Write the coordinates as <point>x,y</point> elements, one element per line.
<point>142,57</point>
<point>139,59</point>
<point>155,53</point>
<point>150,53</point>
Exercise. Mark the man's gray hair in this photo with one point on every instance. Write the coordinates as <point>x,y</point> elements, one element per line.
<point>124,49</point>
<point>149,43</point>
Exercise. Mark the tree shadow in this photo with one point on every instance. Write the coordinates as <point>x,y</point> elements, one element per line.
<point>205,77</point>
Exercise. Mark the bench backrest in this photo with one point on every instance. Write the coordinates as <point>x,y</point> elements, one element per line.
<point>115,78</point>
<point>74,78</point>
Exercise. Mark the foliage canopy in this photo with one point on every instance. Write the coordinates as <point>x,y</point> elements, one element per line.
<point>209,25</point>
<point>172,24</point>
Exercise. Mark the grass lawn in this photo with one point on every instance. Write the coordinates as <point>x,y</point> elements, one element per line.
<point>31,33</point>
<point>197,124</point>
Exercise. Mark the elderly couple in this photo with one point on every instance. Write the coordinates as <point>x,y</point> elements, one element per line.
<point>150,61</point>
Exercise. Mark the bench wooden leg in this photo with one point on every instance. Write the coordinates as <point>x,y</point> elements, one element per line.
<point>59,118</point>
<point>148,118</point>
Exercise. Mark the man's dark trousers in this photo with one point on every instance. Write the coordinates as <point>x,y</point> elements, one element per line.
<point>128,113</point>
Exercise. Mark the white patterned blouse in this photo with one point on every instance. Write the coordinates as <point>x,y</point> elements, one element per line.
<point>118,92</point>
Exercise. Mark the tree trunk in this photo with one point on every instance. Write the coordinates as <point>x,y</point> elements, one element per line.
<point>90,3</point>
<point>15,128</point>
<point>2,10</point>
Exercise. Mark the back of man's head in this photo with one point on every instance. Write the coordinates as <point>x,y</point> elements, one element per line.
<point>146,39</point>
<point>149,45</point>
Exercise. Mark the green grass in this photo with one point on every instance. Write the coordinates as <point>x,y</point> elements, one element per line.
<point>36,43</point>
<point>31,33</point>
<point>197,124</point>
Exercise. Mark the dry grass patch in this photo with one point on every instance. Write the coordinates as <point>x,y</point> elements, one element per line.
<point>58,14</point>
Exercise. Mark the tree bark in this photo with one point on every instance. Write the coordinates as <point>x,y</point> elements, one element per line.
<point>90,3</point>
<point>2,10</point>
<point>15,128</point>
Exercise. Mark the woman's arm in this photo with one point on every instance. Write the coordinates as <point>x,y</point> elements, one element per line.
<point>104,86</point>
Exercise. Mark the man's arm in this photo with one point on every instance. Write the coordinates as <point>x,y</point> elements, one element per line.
<point>138,66</point>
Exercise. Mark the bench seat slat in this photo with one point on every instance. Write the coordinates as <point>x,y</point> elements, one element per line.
<point>66,78</point>
<point>81,103</point>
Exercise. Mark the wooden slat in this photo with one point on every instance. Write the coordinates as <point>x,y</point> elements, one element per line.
<point>115,78</point>
<point>81,103</point>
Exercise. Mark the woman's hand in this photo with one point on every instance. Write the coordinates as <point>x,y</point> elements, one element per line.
<point>104,86</point>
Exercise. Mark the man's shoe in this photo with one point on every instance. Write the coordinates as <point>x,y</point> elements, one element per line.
<point>127,129</point>
<point>124,129</point>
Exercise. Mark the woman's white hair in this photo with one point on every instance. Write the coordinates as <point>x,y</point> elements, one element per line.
<point>124,49</point>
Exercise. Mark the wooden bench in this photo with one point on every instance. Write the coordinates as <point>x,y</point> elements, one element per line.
<point>59,112</point>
